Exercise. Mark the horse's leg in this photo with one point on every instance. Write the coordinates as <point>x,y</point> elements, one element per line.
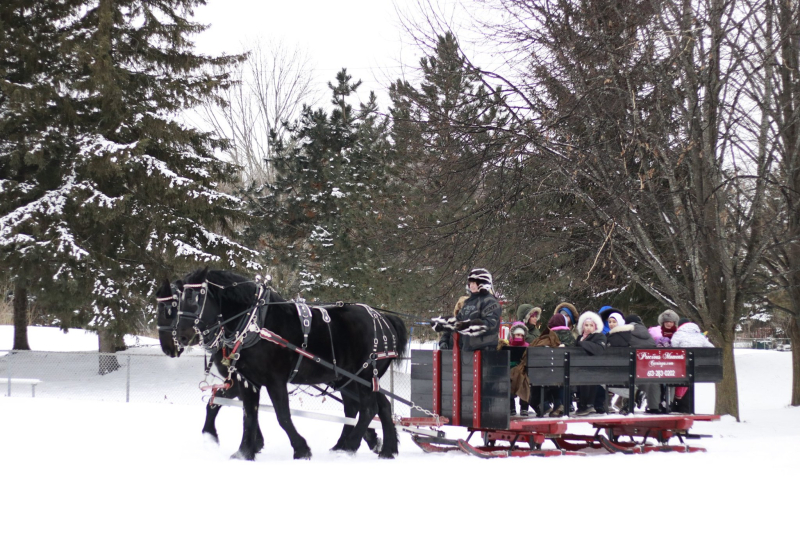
<point>350,411</point>
<point>351,403</point>
<point>373,440</point>
<point>210,428</point>
<point>240,391</point>
<point>367,409</point>
<point>280,401</point>
<point>389,449</point>
<point>247,449</point>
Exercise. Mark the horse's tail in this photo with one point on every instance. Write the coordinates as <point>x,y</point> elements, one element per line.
<point>402,335</point>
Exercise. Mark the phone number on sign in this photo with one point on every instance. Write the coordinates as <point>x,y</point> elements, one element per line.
<point>660,373</point>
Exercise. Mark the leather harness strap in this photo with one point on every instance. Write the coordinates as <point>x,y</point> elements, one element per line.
<point>305,315</point>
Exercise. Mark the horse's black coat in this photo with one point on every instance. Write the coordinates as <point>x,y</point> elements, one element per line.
<point>167,322</point>
<point>266,364</point>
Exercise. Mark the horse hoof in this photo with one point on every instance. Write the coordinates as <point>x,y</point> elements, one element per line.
<point>387,455</point>
<point>242,455</point>
<point>259,446</point>
<point>305,454</point>
<point>342,447</point>
<point>210,438</point>
<point>377,446</point>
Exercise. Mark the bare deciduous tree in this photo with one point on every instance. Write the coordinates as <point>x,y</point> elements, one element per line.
<point>273,84</point>
<point>644,111</point>
<point>778,97</point>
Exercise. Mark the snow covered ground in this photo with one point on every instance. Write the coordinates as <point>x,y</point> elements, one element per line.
<point>111,466</point>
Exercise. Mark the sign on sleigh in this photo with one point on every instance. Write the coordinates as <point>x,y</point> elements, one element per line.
<point>660,364</point>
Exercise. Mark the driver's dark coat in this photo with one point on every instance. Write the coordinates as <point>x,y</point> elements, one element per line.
<point>481,308</point>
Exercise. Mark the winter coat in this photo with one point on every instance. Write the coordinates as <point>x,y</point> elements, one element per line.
<point>631,335</point>
<point>520,383</point>
<point>640,337</point>
<point>524,312</point>
<point>550,339</point>
<point>446,340</point>
<point>594,344</point>
<point>565,336</point>
<point>479,321</point>
<point>690,336</point>
<point>660,340</point>
<point>661,331</point>
<point>620,336</point>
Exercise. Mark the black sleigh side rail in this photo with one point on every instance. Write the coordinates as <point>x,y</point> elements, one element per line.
<point>625,368</point>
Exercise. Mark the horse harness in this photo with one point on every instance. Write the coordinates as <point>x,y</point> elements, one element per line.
<point>305,315</point>
<point>251,329</point>
<point>254,324</point>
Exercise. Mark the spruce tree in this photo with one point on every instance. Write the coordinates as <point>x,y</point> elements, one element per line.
<point>32,150</point>
<point>318,218</point>
<point>460,179</point>
<point>122,193</point>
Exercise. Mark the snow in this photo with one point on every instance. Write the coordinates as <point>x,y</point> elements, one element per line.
<point>112,466</point>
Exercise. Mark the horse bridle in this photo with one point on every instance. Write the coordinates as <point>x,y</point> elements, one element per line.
<point>173,303</point>
<point>168,304</point>
<point>198,294</point>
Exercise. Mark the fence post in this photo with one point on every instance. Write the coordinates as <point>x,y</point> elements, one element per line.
<point>8,372</point>
<point>128,382</point>
<point>391,383</point>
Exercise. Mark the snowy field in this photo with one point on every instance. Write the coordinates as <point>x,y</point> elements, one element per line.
<point>113,466</point>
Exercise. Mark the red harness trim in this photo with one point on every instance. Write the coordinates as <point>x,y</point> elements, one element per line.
<point>283,343</point>
<point>215,389</point>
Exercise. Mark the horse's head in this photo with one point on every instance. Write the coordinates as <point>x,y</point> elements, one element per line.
<point>168,297</point>
<point>198,310</point>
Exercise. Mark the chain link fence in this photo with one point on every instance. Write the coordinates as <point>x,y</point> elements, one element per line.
<point>771,343</point>
<point>139,375</point>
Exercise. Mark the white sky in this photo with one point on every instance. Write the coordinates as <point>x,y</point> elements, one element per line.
<point>365,36</point>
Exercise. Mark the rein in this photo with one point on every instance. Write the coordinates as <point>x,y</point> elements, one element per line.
<point>397,313</point>
<point>280,341</point>
<point>219,324</point>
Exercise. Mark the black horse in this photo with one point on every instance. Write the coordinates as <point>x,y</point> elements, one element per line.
<point>353,340</point>
<point>168,296</point>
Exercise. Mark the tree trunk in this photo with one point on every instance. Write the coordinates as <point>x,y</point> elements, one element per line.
<point>21,317</point>
<point>727,397</point>
<point>109,343</point>
<point>794,338</point>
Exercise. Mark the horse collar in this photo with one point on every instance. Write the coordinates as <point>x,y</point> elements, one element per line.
<point>246,332</point>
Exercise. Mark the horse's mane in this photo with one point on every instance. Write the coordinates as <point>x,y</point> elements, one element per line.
<point>164,290</point>
<point>243,292</point>
<point>276,296</point>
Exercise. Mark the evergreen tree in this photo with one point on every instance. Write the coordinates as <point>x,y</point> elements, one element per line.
<point>478,191</point>
<point>459,177</point>
<point>330,187</point>
<point>31,149</point>
<point>104,190</point>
